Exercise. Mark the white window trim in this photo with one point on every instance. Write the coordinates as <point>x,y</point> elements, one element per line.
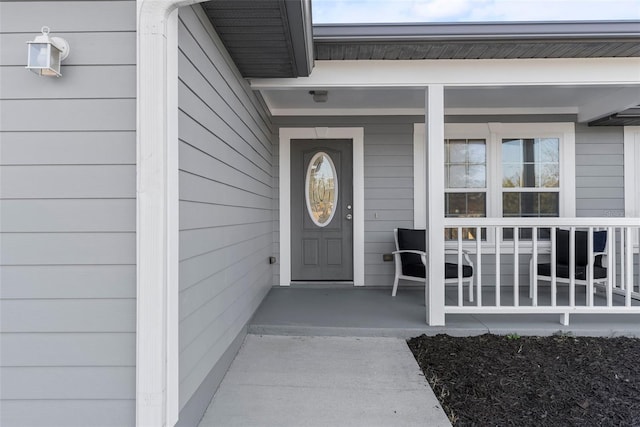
<point>286,135</point>
<point>494,133</point>
<point>631,171</point>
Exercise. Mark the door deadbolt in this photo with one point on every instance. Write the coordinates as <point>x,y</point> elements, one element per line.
<point>349,217</point>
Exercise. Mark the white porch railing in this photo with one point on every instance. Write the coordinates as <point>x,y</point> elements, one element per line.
<point>506,273</point>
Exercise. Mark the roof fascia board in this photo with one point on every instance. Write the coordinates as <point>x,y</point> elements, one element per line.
<point>455,72</point>
<point>300,28</point>
<point>477,31</point>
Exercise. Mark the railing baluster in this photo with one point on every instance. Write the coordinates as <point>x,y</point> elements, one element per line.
<point>590,267</point>
<point>534,266</point>
<point>554,283</point>
<point>622,259</point>
<point>498,272</point>
<point>479,265</point>
<point>516,267</point>
<point>572,267</point>
<point>460,285</point>
<point>614,258</point>
<point>629,264</point>
<point>611,236</point>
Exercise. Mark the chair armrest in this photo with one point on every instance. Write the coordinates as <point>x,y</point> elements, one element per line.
<point>423,255</point>
<point>465,254</point>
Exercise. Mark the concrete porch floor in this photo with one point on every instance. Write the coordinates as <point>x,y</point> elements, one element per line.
<point>372,312</point>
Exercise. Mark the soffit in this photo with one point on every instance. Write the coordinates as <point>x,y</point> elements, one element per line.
<point>266,39</point>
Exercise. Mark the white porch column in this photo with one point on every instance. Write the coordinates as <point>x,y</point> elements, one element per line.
<point>434,122</point>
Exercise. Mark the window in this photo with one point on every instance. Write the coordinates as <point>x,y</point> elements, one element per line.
<point>507,170</point>
<point>465,169</point>
<point>530,180</point>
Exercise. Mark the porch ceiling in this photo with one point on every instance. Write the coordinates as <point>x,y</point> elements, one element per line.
<point>458,100</point>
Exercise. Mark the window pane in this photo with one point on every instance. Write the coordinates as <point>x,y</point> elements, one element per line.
<point>530,163</point>
<point>457,151</point>
<point>511,175</point>
<point>477,150</point>
<point>465,165</point>
<point>477,177</point>
<point>549,204</point>
<point>512,151</point>
<point>457,176</point>
<point>465,205</point>
<point>548,175</point>
<point>548,150</point>
<point>530,205</point>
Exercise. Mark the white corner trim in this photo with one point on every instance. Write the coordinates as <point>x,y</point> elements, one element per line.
<point>357,136</point>
<point>157,400</point>
<point>419,176</point>
<point>631,171</point>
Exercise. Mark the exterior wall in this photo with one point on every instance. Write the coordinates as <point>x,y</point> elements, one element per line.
<point>225,143</point>
<point>388,148</point>
<point>599,171</point>
<point>67,190</point>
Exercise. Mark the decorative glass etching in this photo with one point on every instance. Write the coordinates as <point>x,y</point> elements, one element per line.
<point>321,189</point>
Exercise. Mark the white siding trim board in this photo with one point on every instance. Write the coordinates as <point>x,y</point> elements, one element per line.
<point>631,171</point>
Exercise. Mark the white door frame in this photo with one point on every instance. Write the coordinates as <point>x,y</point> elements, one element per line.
<point>355,134</point>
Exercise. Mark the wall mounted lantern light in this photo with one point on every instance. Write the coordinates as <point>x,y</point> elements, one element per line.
<point>46,53</point>
<point>319,95</point>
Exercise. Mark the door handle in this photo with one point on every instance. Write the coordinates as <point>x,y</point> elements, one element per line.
<point>349,217</point>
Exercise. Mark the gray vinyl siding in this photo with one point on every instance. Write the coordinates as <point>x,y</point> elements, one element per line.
<point>67,218</point>
<point>599,171</point>
<point>226,236</point>
<point>388,184</point>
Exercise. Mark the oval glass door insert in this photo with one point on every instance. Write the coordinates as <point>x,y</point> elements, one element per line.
<point>321,189</point>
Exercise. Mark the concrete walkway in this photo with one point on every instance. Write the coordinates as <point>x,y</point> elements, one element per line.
<point>324,381</point>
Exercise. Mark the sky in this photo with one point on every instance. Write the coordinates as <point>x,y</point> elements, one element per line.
<point>395,11</point>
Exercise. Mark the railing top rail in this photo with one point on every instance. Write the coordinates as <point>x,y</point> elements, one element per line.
<point>541,222</point>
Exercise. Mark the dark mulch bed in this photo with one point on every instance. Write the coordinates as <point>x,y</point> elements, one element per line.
<point>492,380</point>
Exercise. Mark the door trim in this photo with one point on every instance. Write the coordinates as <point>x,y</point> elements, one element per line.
<point>357,136</point>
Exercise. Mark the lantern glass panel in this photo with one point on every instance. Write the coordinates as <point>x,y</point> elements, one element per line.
<point>39,55</point>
